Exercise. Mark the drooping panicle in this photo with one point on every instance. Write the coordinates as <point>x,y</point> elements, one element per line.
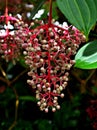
<point>48,55</point>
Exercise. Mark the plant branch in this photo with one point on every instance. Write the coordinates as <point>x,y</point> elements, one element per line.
<point>5,79</point>
<point>89,77</point>
<point>18,76</point>
<point>3,72</point>
<point>82,82</point>
<point>76,76</point>
<point>16,109</point>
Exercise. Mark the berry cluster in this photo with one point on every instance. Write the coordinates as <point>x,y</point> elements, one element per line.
<point>49,56</point>
<point>13,34</point>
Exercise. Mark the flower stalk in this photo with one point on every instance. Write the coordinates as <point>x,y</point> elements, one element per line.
<point>50,13</point>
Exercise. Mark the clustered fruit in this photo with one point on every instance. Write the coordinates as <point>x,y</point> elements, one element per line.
<point>49,55</point>
<point>15,34</point>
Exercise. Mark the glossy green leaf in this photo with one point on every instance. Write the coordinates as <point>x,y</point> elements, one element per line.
<point>80,13</point>
<point>86,58</point>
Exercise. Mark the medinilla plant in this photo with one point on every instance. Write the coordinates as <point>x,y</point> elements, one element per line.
<point>83,15</point>
<point>48,50</point>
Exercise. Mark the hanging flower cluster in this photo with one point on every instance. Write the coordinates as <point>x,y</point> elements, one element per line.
<point>49,51</point>
<point>13,34</point>
<point>49,55</point>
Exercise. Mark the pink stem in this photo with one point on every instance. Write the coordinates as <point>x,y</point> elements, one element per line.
<point>50,13</point>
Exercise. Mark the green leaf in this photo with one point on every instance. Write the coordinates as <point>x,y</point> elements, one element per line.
<point>22,62</point>
<point>43,124</point>
<point>27,98</point>
<point>81,13</point>
<point>86,58</point>
<point>94,88</point>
